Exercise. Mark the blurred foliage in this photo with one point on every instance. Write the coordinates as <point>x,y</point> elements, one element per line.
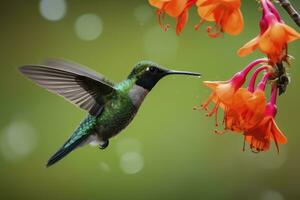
<point>182,158</point>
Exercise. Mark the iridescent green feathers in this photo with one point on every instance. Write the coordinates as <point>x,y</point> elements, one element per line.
<point>140,68</point>
<point>76,139</point>
<point>83,129</point>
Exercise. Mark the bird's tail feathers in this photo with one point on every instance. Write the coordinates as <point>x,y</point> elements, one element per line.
<point>63,151</point>
<point>79,137</point>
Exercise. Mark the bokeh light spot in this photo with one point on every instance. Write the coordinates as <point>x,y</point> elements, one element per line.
<point>159,45</point>
<point>132,162</point>
<point>18,140</point>
<point>143,13</point>
<point>128,145</point>
<point>88,27</point>
<point>271,195</point>
<point>53,10</point>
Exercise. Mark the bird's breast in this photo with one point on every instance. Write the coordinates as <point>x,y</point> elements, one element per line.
<point>137,95</point>
<point>117,114</point>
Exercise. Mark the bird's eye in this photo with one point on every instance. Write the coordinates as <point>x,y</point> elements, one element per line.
<point>152,69</point>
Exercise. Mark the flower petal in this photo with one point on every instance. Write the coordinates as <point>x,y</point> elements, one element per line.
<point>213,84</point>
<point>272,41</point>
<point>247,110</point>
<point>279,136</point>
<point>207,2</point>
<point>234,4</point>
<point>175,7</point>
<point>233,23</point>
<point>181,21</point>
<point>158,3</point>
<point>259,136</point>
<point>292,34</point>
<point>248,47</point>
<point>206,11</point>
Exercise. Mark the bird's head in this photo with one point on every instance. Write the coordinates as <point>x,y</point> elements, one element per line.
<point>147,74</point>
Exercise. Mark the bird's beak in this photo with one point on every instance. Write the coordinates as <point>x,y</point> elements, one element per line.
<point>169,72</point>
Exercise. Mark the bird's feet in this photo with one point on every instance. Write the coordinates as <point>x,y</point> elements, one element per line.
<point>103,144</point>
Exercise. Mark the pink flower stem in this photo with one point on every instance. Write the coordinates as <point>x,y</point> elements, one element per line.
<point>274,93</point>
<point>239,78</point>
<point>274,10</point>
<point>265,5</point>
<point>249,67</point>
<point>262,84</point>
<point>254,77</point>
<point>271,108</point>
<point>268,16</point>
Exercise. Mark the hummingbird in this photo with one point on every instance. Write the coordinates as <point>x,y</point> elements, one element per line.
<point>111,107</point>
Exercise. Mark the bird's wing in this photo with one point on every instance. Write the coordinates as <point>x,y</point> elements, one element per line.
<point>82,87</point>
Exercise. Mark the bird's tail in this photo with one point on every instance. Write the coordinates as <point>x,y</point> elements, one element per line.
<point>80,135</point>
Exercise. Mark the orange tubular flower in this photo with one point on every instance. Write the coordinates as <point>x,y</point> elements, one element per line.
<point>248,106</point>
<point>246,111</point>
<point>273,37</point>
<point>225,13</point>
<point>224,91</point>
<point>261,135</point>
<point>174,8</point>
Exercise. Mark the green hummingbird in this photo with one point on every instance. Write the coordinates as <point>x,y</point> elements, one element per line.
<point>111,107</point>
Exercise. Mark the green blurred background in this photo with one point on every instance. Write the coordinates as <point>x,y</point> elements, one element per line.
<point>169,151</point>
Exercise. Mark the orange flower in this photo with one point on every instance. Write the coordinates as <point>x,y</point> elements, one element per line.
<point>223,92</point>
<point>225,13</point>
<point>248,105</point>
<point>174,8</point>
<point>261,135</point>
<point>274,35</point>
<point>246,111</point>
<point>272,42</point>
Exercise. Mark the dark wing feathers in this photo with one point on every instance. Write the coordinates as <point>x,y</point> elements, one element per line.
<point>77,68</point>
<point>82,87</point>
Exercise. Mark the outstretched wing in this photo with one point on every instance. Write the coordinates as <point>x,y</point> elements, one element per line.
<point>82,87</point>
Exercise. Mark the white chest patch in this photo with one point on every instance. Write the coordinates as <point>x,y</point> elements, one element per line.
<point>137,95</point>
